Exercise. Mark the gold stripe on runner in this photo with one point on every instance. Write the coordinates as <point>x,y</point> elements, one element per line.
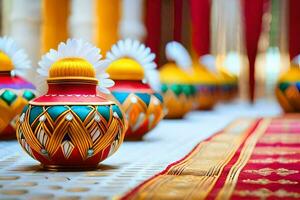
<point>232,177</point>
<point>195,176</point>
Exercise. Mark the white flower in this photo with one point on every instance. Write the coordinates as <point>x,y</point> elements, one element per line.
<point>139,52</point>
<point>296,60</point>
<point>74,48</point>
<point>19,58</point>
<point>177,53</point>
<point>209,61</point>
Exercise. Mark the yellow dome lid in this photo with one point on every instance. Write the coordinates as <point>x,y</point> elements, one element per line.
<point>72,68</point>
<point>125,69</point>
<point>203,76</point>
<point>171,73</point>
<point>292,75</point>
<point>6,63</point>
<point>226,77</point>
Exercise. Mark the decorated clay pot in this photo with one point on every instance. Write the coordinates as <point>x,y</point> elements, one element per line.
<point>206,85</point>
<point>128,67</point>
<point>71,126</point>
<point>178,88</point>
<point>227,83</point>
<point>178,91</point>
<point>288,89</point>
<point>228,87</point>
<point>15,91</point>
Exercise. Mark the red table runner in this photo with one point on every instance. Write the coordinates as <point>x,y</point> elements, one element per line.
<point>250,159</point>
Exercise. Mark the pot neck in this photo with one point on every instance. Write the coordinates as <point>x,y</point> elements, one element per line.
<point>72,88</point>
<point>5,73</point>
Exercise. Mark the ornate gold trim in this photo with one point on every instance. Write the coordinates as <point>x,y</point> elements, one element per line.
<point>232,177</point>
<point>269,171</point>
<point>264,193</point>
<point>71,103</point>
<point>196,175</point>
<point>264,181</point>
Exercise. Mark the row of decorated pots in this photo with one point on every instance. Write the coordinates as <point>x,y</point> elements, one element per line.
<point>72,123</point>
<point>188,85</point>
<point>15,91</point>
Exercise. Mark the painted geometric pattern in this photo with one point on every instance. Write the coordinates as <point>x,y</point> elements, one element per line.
<point>11,103</point>
<point>179,99</point>
<point>288,95</point>
<point>206,96</point>
<point>141,108</point>
<point>178,89</point>
<point>45,129</point>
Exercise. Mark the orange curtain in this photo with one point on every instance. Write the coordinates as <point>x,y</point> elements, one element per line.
<point>55,15</point>
<point>107,21</point>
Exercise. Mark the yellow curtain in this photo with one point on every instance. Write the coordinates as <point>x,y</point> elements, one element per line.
<point>107,21</point>
<point>55,15</point>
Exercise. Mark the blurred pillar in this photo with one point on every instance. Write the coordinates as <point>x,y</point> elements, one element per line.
<point>25,20</point>
<point>55,15</point>
<point>131,23</point>
<point>107,19</point>
<point>5,18</point>
<point>82,21</point>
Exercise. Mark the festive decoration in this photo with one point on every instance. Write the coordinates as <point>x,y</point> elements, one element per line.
<point>240,161</point>
<point>177,83</point>
<point>132,68</point>
<point>228,86</point>
<point>15,92</point>
<point>288,88</point>
<point>71,126</point>
<point>227,83</point>
<point>206,84</point>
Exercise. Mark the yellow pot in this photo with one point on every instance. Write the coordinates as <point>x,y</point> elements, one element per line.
<point>178,90</point>
<point>206,84</point>
<point>288,90</point>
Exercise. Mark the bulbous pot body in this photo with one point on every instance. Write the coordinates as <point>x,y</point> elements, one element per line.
<point>71,128</point>
<point>179,99</point>
<point>206,96</point>
<point>228,86</point>
<point>228,91</point>
<point>288,95</point>
<point>142,106</point>
<point>288,89</point>
<point>15,93</point>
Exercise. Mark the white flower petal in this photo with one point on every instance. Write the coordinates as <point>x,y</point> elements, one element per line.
<point>21,63</point>
<point>74,48</point>
<point>132,49</point>
<point>176,52</point>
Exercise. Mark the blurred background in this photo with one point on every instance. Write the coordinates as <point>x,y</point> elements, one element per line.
<point>253,39</point>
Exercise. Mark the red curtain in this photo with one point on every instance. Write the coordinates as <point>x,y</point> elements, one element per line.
<point>253,12</point>
<point>200,16</point>
<point>153,24</point>
<point>294,28</point>
<point>177,19</point>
